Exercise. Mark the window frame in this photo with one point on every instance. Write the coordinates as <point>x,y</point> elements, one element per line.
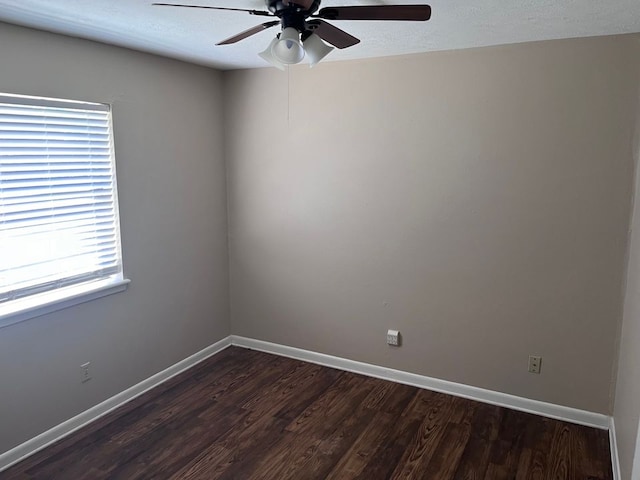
<point>51,300</point>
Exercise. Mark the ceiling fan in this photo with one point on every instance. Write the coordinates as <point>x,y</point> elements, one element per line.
<point>305,32</point>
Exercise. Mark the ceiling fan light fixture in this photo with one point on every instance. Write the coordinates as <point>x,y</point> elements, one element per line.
<point>288,48</point>
<point>267,55</point>
<point>300,18</point>
<point>316,49</point>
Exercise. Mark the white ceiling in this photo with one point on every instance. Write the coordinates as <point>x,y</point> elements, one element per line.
<point>190,34</point>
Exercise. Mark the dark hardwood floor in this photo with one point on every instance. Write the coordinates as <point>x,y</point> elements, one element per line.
<point>246,415</point>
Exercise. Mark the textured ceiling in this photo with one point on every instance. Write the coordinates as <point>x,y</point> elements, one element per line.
<point>190,34</point>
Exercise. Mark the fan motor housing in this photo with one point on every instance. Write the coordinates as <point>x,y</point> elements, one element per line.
<point>281,9</point>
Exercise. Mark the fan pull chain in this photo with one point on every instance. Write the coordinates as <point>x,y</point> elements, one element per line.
<point>288,94</point>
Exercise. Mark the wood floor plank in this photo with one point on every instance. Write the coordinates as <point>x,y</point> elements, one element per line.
<point>596,442</point>
<point>285,458</point>
<point>390,451</point>
<point>248,415</point>
<point>308,394</point>
<point>423,403</point>
<point>364,447</point>
<point>484,431</point>
<point>579,449</point>
<point>208,464</point>
<point>560,462</point>
<point>163,451</point>
<point>398,398</point>
<point>447,455</point>
<point>247,447</point>
<point>379,393</point>
<point>534,458</point>
<point>507,448</point>
<point>333,405</point>
<point>335,444</point>
<point>426,441</point>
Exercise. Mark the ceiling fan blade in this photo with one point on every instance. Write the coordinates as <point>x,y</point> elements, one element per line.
<point>249,32</point>
<point>251,12</point>
<point>418,13</point>
<point>333,35</point>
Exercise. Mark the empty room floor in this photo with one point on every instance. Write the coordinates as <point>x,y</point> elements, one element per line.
<point>243,414</point>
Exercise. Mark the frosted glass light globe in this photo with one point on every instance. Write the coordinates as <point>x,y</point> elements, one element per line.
<point>288,49</point>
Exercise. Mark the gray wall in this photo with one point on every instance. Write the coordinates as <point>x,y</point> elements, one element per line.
<point>171,180</point>
<point>476,200</point>
<point>627,395</point>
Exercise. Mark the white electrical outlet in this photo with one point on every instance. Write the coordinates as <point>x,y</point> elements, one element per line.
<point>85,374</point>
<point>535,363</point>
<point>393,338</point>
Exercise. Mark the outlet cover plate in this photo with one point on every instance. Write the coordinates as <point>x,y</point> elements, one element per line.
<point>393,338</point>
<point>85,374</point>
<point>535,363</point>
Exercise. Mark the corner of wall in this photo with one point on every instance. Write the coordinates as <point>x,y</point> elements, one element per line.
<point>618,448</point>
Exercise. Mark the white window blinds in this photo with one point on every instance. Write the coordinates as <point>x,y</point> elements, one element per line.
<point>58,206</point>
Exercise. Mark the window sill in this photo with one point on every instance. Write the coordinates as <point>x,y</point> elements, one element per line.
<point>49,302</point>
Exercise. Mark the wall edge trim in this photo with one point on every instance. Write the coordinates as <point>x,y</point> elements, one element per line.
<point>613,446</point>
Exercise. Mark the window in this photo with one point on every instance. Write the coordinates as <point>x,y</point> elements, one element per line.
<point>59,229</point>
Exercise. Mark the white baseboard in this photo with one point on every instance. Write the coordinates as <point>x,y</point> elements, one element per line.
<point>537,407</point>
<point>60,431</point>
<point>613,445</point>
<point>558,412</point>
